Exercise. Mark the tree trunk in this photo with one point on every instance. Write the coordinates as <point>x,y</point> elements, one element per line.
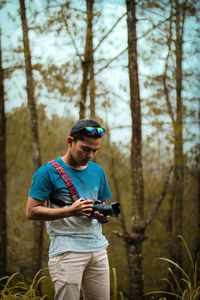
<point>86,64</point>
<point>38,226</point>
<point>92,87</point>
<point>136,149</point>
<point>178,146</point>
<point>135,269</point>
<point>136,238</point>
<point>3,218</point>
<point>176,197</point>
<point>197,250</point>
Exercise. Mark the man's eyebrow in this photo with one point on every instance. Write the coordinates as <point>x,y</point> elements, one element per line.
<point>87,147</point>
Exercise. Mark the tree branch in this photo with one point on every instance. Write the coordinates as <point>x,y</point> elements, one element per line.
<point>110,61</point>
<point>72,39</point>
<point>107,34</point>
<point>154,210</point>
<point>155,26</point>
<point>123,51</point>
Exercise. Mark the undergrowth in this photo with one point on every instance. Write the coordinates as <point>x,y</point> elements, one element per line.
<point>15,287</point>
<point>188,286</point>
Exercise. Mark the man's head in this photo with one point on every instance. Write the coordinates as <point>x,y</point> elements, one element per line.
<point>83,142</point>
<point>86,127</point>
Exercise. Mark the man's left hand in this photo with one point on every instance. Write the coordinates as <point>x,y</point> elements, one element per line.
<point>100,217</point>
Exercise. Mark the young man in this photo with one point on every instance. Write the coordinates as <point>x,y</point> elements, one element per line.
<point>77,255</point>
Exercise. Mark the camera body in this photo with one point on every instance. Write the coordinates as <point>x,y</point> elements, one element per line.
<point>112,209</point>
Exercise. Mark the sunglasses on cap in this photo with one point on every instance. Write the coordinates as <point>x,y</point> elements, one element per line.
<point>95,130</point>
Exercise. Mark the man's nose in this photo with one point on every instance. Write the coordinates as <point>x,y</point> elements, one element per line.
<point>90,155</point>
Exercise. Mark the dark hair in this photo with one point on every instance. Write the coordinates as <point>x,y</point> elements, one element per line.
<point>78,132</point>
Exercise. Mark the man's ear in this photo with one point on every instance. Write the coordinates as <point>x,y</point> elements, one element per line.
<point>69,140</point>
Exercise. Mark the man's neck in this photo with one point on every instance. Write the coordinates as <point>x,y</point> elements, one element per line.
<point>68,160</point>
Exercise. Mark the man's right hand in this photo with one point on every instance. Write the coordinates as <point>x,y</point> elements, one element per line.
<point>35,210</point>
<point>82,207</point>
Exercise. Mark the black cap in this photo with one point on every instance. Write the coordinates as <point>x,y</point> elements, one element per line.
<point>81,124</point>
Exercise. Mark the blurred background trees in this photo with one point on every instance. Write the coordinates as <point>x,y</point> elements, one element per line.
<point>36,157</point>
<point>134,67</point>
<point>3,184</point>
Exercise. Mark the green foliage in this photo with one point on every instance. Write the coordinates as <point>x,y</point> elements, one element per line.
<point>15,287</point>
<point>188,286</point>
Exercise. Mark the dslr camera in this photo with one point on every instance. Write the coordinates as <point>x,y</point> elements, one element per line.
<point>112,209</point>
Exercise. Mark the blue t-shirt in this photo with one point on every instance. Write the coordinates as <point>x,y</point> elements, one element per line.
<point>78,234</point>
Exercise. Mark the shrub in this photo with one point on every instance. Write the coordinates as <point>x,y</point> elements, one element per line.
<point>188,286</point>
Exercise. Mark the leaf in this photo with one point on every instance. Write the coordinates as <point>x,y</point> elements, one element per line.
<point>175,264</point>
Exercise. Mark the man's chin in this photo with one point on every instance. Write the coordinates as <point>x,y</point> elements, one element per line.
<point>85,163</point>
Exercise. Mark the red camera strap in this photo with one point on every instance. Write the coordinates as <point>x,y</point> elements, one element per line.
<point>66,179</point>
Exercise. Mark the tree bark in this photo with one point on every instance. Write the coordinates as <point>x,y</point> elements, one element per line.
<point>136,149</point>
<point>178,147</point>
<point>86,64</point>
<point>177,219</point>
<point>38,226</point>
<point>92,87</point>
<point>197,249</point>
<point>176,197</point>
<point>3,216</point>
<point>136,237</point>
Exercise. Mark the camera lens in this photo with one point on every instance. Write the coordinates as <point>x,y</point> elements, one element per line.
<point>107,209</point>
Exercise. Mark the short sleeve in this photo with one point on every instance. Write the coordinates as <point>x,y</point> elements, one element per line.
<point>42,185</point>
<point>104,192</point>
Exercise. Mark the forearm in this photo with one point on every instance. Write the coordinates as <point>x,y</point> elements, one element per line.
<point>35,210</point>
<point>47,214</point>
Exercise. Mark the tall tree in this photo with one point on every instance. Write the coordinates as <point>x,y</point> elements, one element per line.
<point>3,218</point>
<point>87,64</point>
<point>92,86</point>
<point>178,133</point>
<point>135,236</point>
<point>38,226</point>
<point>176,199</point>
<point>136,239</point>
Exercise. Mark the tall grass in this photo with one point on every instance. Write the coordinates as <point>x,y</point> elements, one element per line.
<point>116,293</point>
<point>188,286</point>
<point>14,287</point>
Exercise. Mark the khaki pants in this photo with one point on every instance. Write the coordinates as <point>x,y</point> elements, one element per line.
<point>75,271</point>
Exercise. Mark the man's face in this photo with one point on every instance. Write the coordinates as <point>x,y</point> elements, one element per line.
<point>84,151</point>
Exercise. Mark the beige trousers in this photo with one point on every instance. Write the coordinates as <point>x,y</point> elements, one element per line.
<point>75,271</point>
